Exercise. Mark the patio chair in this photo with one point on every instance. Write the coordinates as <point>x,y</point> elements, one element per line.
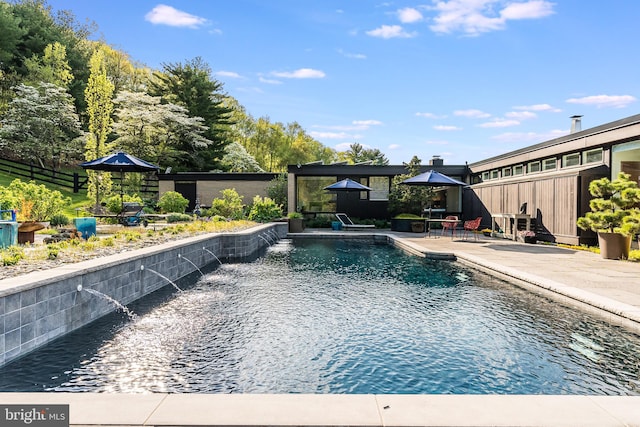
<point>347,224</point>
<point>450,222</point>
<point>471,225</point>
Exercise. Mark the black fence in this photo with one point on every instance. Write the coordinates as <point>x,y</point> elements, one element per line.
<point>72,181</point>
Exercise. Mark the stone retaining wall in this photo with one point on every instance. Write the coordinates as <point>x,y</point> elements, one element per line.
<point>41,306</point>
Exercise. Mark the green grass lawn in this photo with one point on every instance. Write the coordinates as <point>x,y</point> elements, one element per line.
<point>78,200</point>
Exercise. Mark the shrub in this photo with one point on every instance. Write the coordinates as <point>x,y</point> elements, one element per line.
<point>35,202</point>
<point>229,206</point>
<point>178,217</point>
<point>59,219</point>
<point>278,188</point>
<point>320,221</point>
<point>114,203</point>
<point>12,255</point>
<point>264,210</point>
<point>613,207</point>
<point>172,201</point>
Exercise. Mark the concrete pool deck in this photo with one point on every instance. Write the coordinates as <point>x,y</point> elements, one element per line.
<point>610,288</point>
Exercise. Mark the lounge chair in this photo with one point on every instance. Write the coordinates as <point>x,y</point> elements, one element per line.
<point>348,224</point>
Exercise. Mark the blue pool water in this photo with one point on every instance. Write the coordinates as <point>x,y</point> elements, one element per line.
<point>330,316</point>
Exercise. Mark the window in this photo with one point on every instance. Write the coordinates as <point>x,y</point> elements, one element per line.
<point>533,167</point>
<point>311,194</point>
<point>495,174</point>
<point>379,188</point>
<point>485,176</point>
<point>506,172</point>
<point>549,164</point>
<point>518,170</point>
<point>364,194</point>
<point>592,156</point>
<point>569,160</point>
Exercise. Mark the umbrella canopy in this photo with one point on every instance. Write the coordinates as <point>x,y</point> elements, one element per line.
<point>433,179</point>
<point>119,162</point>
<point>347,185</point>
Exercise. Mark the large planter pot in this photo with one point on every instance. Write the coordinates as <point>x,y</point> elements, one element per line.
<point>296,225</point>
<point>405,224</point>
<point>614,245</point>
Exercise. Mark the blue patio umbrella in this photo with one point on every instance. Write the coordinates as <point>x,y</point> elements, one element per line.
<point>120,162</point>
<point>433,179</point>
<point>347,184</point>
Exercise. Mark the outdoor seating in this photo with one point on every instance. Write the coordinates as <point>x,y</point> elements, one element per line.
<point>449,223</point>
<point>347,224</point>
<point>471,225</point>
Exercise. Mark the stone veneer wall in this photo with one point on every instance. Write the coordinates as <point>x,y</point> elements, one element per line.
<point>39,307</point>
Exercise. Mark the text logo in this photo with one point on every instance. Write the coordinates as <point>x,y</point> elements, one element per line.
<point>34,415</point>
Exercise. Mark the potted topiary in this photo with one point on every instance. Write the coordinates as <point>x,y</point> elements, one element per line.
<point>296,224</point>
<point>614,215</point>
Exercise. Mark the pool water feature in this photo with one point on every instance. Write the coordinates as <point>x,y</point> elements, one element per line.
<point>333,316</point>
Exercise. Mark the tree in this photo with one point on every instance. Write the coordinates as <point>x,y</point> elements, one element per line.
<point>42,126</point>
<point>237,159</point>
<point>98,96</point>
<point>191,85</point>
<point>410,199</point>
<point>358,154</point>
<point>40,28</point>
<point>52,67</point>
<point>162,133</point>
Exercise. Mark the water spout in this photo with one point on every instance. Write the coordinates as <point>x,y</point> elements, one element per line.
<point>191,262</point>
<point>268,242</point>
<point>124,309</point>
<point>212,254</point>
<point>163,276</point>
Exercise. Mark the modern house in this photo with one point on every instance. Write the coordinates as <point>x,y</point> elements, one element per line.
<point>307,195</point>
<point>548,182</point>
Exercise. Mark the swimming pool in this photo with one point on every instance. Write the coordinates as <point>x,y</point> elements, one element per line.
<point>331,316</point>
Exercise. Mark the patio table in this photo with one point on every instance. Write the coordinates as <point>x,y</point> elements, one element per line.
<point>504,217</point>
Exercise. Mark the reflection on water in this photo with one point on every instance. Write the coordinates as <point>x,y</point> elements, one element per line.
<point>339,317</point>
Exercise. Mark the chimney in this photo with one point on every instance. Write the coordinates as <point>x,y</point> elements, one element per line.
<point>576,124</point>
<point>436,161</point>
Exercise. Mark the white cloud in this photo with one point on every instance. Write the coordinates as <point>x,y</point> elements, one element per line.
<point>409,15</point>
<point>446,128</point>
<point>367,122</point>
<point>167,15</point>
<point>529,137</point>
<point>475,114</point>
<point>499,123</point>
<point>394,147</point>
<point>332,135</point>
<point>269,81</point>
<point>302,73</point>
<point>230,74</point>
<point>528,10</point>
<point>390,31</point>
<point>538,107</point>
<point>604,101</point>
<point>474,17</point>
<point>352,55</point>
<point>430,116</point>
<point>521,115</point>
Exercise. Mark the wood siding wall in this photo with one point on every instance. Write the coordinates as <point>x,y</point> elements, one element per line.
<point>554,203</point>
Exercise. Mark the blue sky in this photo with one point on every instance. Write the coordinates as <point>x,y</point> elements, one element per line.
<point>463,79</point>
